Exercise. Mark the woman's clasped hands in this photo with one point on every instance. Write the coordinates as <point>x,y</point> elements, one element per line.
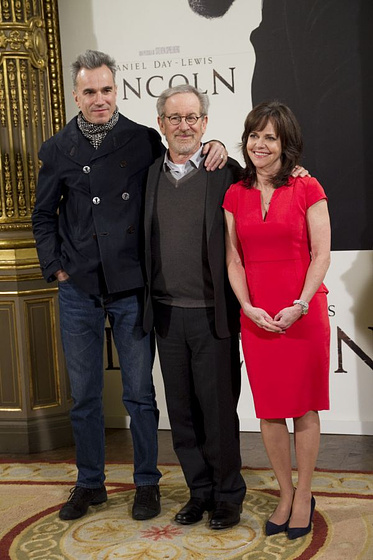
<point>278,324</point>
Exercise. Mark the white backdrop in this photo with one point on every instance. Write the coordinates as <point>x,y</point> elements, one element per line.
<point>157,44</point>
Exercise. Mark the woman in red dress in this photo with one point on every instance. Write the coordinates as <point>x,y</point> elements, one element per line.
<point>278,252</point>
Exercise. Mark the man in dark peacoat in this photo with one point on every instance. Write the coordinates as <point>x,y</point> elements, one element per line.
<point>99,195</point>
<point>88,226</point>
<point>193,309</point>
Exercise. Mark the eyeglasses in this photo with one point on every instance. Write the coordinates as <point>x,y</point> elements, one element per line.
<point>189,119</point>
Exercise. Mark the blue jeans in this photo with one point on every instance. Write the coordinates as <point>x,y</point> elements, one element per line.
<point>82,318</point>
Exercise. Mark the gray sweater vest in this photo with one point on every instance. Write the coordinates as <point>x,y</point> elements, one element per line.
<point>180,270</point>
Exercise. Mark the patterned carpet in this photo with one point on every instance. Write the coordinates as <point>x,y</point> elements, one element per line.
<point>30,529</point>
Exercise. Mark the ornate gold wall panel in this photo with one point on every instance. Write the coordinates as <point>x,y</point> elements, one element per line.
<point>34,392</point>
<point>18,254</point>
<point>10,386</point>
<point>42,354</point>
<point>31,101</point>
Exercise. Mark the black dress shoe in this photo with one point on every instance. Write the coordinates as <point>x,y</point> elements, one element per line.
<point>192,511</point>
<point>147,502</point>
<point>79,501</point>
<point>296,532</point>
<point>225,515</point>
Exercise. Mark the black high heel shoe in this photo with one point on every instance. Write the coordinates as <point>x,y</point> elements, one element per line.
<point>296,532</point>
<point>274,529</point>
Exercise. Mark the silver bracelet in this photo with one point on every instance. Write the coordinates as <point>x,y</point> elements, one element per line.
<point>304,305</point>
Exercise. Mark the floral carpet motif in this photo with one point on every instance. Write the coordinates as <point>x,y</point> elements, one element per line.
<point>31,495</point>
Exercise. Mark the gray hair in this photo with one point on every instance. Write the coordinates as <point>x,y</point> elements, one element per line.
<point>183,88</point>
<point>91,60</point>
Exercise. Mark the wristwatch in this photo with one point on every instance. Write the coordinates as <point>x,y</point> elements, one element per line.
<point>304,305</point>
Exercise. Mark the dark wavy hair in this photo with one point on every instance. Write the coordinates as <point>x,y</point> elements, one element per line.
<point>287,129</point>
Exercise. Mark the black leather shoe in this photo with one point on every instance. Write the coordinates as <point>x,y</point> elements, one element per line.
<point>225,515</point>
<point>296,532</point>
<point>79,501</point>
<point>192,511</point>
<point>147,503</point>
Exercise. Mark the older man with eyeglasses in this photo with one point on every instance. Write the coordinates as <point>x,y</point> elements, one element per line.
<point>194,311</point>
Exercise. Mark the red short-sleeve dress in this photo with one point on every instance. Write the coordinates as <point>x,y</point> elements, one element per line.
<point>288,373</point>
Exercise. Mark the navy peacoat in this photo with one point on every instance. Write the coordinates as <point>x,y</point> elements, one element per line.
<point>88,216</point>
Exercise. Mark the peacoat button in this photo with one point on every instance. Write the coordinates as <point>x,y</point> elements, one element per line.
<point>131,229</point>
<point>86,169</point>
<point>125,196</point>
<point>123,163</point>
<point>96,200</point>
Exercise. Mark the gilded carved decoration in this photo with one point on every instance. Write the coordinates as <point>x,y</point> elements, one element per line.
<point>34,393</point>
<point>31,101</point>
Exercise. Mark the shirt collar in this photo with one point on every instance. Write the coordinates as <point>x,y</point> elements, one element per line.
<point>178,170</point>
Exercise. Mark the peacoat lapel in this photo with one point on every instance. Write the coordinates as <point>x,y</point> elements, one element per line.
<point>76,147</point>
<point>116,138</point>
<point>73,144</point>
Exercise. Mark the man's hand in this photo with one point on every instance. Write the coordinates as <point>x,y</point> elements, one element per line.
<point>217,155</point>
<point>299,171</point>
<point>61,275</point>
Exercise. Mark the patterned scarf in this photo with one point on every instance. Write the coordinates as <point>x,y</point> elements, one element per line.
<point>96,132</point>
